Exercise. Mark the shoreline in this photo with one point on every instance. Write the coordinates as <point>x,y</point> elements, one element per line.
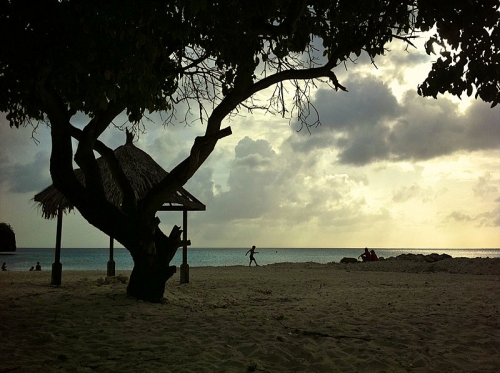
<point>387,316</point>
<point>413,263</point>
<point>83,259</point>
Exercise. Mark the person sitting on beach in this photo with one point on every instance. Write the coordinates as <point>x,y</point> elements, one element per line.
<point>32,268</point>
<point>252,251</point>
<point>366,256</point>
<point>374,256</point>
<point>38,266</point>
<point>4,266</point>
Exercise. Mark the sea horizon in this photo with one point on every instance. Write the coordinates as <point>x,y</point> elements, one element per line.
<point>97,258</point>
<point>286,247</point>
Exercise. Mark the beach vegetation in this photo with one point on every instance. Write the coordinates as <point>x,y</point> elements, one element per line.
<point>211,60</point>
<point>7,238</point>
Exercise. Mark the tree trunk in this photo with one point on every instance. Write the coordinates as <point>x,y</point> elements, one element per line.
<point>151,271</point>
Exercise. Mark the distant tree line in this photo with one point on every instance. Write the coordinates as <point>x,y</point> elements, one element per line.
<point>7,238</point>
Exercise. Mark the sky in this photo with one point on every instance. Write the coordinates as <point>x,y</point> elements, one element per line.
<point>386,168</point>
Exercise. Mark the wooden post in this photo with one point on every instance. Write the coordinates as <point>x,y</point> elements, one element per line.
<point>57,266</point>
<point>111,262</point>
<point>184,266</point>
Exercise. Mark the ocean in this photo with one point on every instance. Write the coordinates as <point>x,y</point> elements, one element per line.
<point>97,258</point>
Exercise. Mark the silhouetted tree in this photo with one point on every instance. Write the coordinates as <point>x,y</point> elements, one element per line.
<point>7,238</point>
<point>103,58</point>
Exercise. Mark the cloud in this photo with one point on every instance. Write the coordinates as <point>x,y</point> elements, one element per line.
<point>24,165</point>
<point>366,146</point>
<point>461,217</point>
<point>24,178</point>
<point>252,174</point>
<point>368,125</point>
<point>432,128</point>
<point>485,186</point>
<point>403,193</point>
<point>366,104</point>
<point>279,188</point>
<point>485,219</point>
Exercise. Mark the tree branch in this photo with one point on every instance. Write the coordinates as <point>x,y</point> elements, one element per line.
<point>61,158</point>
<point>200,151</point>
<point>84,155</point>
<point>203,146</point>
<point>129,203</point>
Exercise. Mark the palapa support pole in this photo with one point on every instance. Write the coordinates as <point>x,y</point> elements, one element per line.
<point>57,266</point>
<point>111,262</point>
<point>184,266</point>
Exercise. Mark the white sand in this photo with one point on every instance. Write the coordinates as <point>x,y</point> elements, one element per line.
<point>390,316</point>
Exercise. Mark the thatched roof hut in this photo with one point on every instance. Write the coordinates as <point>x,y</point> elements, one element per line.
<point>143,173</point>
<point>141,170</point>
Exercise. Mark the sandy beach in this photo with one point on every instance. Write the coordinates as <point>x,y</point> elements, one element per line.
<point>388,316</point>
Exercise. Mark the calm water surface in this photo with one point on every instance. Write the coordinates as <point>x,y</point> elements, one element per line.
<point>97,258</point>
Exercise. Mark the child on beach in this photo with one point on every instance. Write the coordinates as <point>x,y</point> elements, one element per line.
<point>4,266</point>
<point>252,251</point>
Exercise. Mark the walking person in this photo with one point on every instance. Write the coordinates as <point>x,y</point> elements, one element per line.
<point>252,258</point>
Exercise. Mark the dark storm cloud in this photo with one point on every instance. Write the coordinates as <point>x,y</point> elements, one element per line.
<point>368,124</point>
<point>432,128</point>
<point>308,143</point>
<point>364,146</point>
<point>482,126</point>
<point>367,102</point>
<point>352,121</point>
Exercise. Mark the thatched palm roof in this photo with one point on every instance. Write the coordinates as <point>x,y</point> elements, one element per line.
<point>142,172</point>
